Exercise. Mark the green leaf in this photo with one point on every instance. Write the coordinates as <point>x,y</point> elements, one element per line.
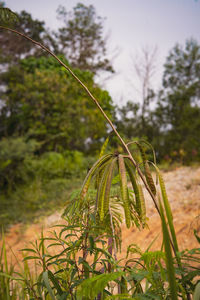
<point>101,193</point>
<point>11,277</point>
<point>91,287</point>
<point>103,148</point>
<point>31,257</point>
<point>196,295</point>
<point>55,282</point>
<point>124,189</point>
<point>104,189</point>
<point>29,250</point>
<point>47,284</point>
<point>168,211</point>
<point>143,206</point>
<point>91,173</point>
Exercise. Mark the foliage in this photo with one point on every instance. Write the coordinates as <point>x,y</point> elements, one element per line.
<point>32,184</point>
<point>179,102</point>
<point>40,101</point>
<point>81,38</point>
<point>86,266</point>
<point>6,15</point>
<point>37,197</point>
<point>13,153</point>
<point>83,267</point>
<point>168,124</point>
<point>53,165</point>
<point>14,47</point>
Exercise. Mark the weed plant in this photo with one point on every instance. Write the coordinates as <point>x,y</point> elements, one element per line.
<point>86,266</point>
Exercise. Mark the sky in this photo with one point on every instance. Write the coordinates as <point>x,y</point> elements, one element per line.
<point>131,26</point>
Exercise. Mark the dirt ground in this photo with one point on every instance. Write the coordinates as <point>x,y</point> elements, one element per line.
<point>183,189</point>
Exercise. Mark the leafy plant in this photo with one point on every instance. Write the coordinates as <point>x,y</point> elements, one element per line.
<point>85,266</point>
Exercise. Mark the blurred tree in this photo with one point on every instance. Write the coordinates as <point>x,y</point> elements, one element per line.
<point>135,119</point>
<point>42,101</point>
<point>172,126</point>
<point>128,120</point>
<point>13,152</point>
<point>178,109</point>
<point>145,67</point>
<point>81,38</point>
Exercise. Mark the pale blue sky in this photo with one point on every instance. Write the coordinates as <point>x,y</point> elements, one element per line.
<point>132,24</point>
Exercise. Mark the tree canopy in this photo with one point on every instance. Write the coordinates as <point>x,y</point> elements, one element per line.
<point>34,91</point>
<point>173,125</point>
<point>42,101</point>
<point>81,38</point>
<point>179,102</point>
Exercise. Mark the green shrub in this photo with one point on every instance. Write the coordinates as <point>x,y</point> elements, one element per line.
<point>13,153</point>
<point>32,184</point>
